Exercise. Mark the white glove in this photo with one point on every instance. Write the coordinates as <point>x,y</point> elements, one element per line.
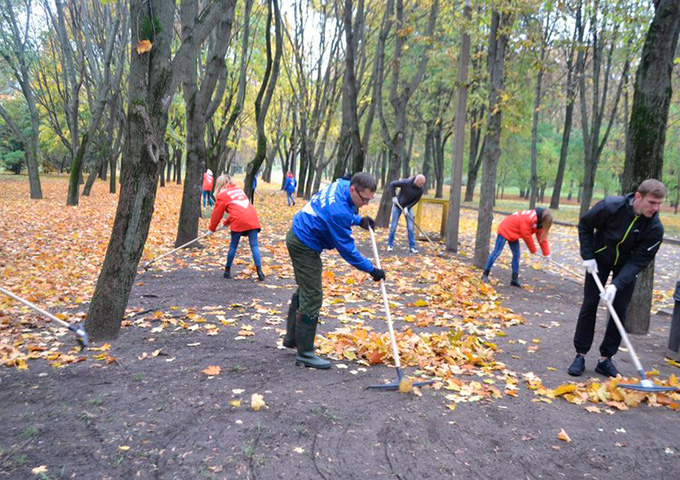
<point>395,200</point>
<point>609,293</point>
<point>590,266</point>
<point>405,211</point>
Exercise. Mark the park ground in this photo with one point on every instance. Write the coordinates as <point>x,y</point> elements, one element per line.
<point>198,385</point>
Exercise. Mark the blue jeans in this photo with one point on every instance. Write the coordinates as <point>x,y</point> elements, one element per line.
<point>252,239</point>
<point>291,200</point>
<point>498,248</point>
<point>207,195</point>
<point>396,213</point>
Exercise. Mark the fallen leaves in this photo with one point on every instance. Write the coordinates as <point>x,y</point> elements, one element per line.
<point>564,436</point>
<point>257,402</point>
<point>212,370</point>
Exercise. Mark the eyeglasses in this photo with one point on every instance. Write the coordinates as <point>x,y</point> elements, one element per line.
<point>364,201</point>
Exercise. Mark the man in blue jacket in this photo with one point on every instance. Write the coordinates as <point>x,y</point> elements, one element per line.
<point>619,235</point>
<point>324,223</point>
<point>410,191</point>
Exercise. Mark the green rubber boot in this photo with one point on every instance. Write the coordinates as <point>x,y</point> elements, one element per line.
<point>289,339</point>
<point>305,331</point>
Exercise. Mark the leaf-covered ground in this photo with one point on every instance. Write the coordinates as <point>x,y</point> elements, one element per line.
<point>198,383</point>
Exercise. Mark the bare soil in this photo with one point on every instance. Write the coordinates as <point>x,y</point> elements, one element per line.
<point>161,417</point>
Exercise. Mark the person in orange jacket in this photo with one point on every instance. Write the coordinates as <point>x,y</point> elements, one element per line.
<point>522,225</point>
<point>207,187</point>
<point>242,218</point>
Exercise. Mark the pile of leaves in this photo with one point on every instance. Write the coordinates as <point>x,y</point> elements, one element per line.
<point>447,321</point>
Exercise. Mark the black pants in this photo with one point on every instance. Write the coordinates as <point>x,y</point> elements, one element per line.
<point>585,327</point>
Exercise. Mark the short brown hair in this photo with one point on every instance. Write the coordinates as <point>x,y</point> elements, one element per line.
<point>364,181</point>
<point>652,187</point>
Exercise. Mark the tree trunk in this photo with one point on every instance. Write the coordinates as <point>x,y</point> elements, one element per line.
<point>498,40</point>
<point>453,219</point>
<point>350,148</point>
<point>151,82</point>
<point>399,101</point>
<point>266,92</point>
<point>647,132</point>
<point>474,156</point>
<point>198,112</point>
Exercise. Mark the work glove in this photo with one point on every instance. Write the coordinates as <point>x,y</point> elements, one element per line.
<point>405,211</point>
<point>609,294</point>
<point>378,274</point>
<point>590,265</point>
<point>367,222</point>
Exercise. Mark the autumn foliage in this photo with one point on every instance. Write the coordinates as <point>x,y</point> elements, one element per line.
<point>449,325</point>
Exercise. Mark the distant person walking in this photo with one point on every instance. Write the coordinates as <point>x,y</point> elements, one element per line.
<point>410,191</point>
<point>242,219</point>
<point>289,186</point>
<point>252,192</point>
<point>207,187</point>
<point>524,225</point>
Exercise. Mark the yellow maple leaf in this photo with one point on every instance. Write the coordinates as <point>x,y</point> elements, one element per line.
<point>143,46</point>
<point>564,388</point>
<point>212,370</point>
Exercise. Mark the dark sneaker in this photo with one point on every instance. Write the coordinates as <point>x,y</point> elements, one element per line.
<point>578,366</point>
<point>606,367</point>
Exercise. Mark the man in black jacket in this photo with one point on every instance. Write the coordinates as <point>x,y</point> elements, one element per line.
<point>410,191</point>
<point>619,235</point>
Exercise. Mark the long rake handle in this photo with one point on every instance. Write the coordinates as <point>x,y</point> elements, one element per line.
<point>622,330</point>
<point>418,226</point>
<point>37,308</point>
<point>386,305</point>
<point>146,265</point>
<point>568,270</point>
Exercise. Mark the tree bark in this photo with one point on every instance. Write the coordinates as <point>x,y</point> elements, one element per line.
<point>151,86</point>
<point>198,103</point>
<point>350,148</point>
<point>498,40</point>
<point>266,92</point>
<point>453,219</point>
<point>647,132</point>
<point>399,102</point>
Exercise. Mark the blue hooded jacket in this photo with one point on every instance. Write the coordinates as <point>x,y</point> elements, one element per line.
<point>326,222</point>
<point>290,184</point>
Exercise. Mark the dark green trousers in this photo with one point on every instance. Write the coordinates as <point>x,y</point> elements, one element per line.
<point>308,268</point>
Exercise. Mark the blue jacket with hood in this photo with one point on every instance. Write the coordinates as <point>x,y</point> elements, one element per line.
<point>326,223</point>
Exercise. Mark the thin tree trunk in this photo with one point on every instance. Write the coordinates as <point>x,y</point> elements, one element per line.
<point>498,40</point>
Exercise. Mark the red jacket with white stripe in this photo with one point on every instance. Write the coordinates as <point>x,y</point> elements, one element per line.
<point>242,215</point>
<point>523,225</point>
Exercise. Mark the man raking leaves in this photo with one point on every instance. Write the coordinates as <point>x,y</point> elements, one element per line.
<point>619,235</point>
<point>324,223</point>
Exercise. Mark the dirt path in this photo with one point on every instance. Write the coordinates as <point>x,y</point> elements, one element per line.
<point>146,416</point>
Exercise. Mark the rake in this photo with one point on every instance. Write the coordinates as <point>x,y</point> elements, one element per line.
<point>645,384</point>
<point>78,329</point>
<point>401,379</point>
<point>147,264</point>
<point>434,246</point>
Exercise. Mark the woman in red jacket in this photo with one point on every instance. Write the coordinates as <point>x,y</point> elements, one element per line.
<point>522,225</point>
<point>242,218</point>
